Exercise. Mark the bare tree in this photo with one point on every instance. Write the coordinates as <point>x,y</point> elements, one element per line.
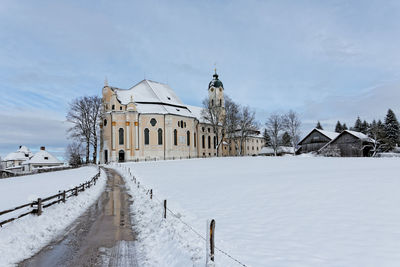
<point>215,116</point>
<point>95,104</point>
<point>74,153</point>
<point>231,121</point>
<point>274,126</point>
<point>292,124</point>
<point>247,125</point>
<point>79,116</point>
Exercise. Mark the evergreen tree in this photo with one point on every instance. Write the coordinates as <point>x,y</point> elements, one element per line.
<point>381,128</point>
<point>344,127</point>
<point>339,127</point>
<point>364,127</point>
<point>319,126</point>
<point>392,129</point>
<point>357,125</point>
<point>286,140</point>
<point>266,137</point>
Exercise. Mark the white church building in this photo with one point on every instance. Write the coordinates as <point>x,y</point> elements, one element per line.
<point>149,121</point>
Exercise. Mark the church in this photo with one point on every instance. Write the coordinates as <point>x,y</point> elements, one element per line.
<point>149,121</point>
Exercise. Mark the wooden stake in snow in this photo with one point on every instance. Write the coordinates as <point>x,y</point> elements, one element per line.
<point>151,193</point>
<point>39,206</point>
<point>212,234</point>
<point>165,209</point>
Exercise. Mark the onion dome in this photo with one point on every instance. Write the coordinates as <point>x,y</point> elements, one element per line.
<point>215,82</point>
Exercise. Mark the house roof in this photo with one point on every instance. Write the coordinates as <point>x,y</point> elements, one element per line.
<point>23,153</point>
<point>328,134</point>
<point>43,157</point>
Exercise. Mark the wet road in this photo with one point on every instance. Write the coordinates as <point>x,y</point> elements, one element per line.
<point>102,236</point>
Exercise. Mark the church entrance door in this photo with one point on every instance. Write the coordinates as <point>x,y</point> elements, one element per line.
<point>121,156</point>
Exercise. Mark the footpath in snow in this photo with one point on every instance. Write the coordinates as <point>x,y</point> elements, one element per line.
<point>288,211</point>
<point>24,237</point>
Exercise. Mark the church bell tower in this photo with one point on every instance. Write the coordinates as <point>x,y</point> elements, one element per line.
<point>216,92</point>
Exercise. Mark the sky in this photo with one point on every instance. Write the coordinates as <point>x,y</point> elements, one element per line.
<point>326,60</point>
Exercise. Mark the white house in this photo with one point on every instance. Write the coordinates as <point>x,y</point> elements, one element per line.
<point>42,159</point>
<point>13,161</point>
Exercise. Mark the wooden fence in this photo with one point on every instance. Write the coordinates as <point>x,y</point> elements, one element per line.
<point>42,203</point>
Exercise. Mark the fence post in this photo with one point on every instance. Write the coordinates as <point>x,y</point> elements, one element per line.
<point>76,191</point>
<point>138,184</point>
<point>165,209</point>
<point>39,206</point>
<point>151,193</point>
<point>212,234</point>
<point>63,196</point>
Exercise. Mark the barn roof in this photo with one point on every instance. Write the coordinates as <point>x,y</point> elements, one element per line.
<point>328,134</point>
<point>358,135</point>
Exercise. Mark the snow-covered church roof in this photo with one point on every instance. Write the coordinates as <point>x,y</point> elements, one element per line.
<point>43,157</point>
<point>23,153</point>
<point>149,92</point>
<point>156,98</point>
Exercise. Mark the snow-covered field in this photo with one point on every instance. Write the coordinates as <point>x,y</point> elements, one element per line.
<point>24,237</point>
<point>290,211</point>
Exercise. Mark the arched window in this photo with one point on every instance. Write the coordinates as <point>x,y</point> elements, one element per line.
<point>209,141</point>
<point>194,139</point>
<point>113,107</point>
<point>181,124</point>
<point>220,102</point>
<point>188,138</point>
<point>121,136</point>
<point>175,137</point>
<point>105,123</point>
<point>203,141</point>
<point>146,136</point>
<point>212,102</point>
<point>160,137</point>
<point>215,142</point>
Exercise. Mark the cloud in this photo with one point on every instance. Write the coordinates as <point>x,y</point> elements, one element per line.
<point>33,129</point>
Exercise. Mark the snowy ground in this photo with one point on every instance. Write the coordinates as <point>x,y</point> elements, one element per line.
<point>26,236</point>
<point>290,211</point>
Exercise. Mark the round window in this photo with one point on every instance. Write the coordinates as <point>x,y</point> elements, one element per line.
<point>153,122</point>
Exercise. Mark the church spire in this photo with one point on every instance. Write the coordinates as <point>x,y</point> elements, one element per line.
<point>105,82</point>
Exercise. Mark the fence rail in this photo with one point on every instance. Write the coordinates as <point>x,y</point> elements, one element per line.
<point>38,205</point>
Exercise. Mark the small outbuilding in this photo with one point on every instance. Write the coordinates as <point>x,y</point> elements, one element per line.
<point>349,144</point>
<point>282,150</point>
<point>315,140</point>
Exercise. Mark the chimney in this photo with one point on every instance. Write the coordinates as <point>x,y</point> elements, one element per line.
<point>42,148</point>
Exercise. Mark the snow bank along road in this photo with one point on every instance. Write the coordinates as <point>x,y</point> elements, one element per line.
<point>102,236</point>
<point>24,237</point>
<point>288,211</point>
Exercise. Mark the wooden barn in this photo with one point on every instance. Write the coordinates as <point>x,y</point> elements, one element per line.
<point>349,144</point>
<point>315,140</point>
